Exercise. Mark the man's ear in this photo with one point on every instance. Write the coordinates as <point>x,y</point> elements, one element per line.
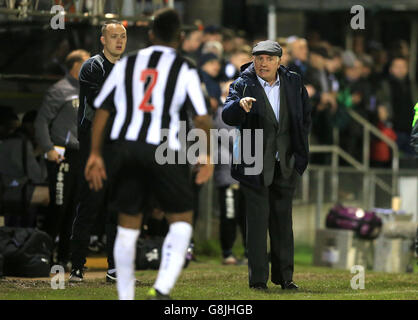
<point>102,40</point>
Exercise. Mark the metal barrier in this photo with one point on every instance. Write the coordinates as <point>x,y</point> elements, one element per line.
<point>369,181</point>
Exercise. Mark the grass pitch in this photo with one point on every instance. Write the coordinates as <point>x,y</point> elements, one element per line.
<point>208,279</point>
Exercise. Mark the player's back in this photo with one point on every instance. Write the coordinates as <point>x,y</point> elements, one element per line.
<point>150,88</point>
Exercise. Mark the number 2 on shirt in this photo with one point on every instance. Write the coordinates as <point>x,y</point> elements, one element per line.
<point>151,74</point>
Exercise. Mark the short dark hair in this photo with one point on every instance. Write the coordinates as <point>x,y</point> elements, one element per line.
<point>166,25</point>
<point>75,56</point>
<point>110,22</point>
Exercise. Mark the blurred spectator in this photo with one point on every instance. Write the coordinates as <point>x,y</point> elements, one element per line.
<point>359,46</point>
<point>399,97</point>
<point>323,100</point>
<point>56,133</point>
<point>298,50</point>
<point>214,47</point>
<point>228,43</point>
<point>191,43</point>
<point>285,58</point>
<point>380,153</point>
<point>355,92</point>
<point>210,67</point>
<point>237,59</point>
<point>241,39</point>
<point>400,48</point>
<point>380,60</point>
<point>212,33</point>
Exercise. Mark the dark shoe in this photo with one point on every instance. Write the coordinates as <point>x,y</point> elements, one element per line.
<point>154,294</point>
<point>289,285</point>
<point>111,277</point>
<point>259,286</point>
<point>76,275</point>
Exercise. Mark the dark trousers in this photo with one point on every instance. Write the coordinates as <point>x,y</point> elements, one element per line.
<point>232,217</point>
<point>63,189</point>
<point>91,204</point>
<point>270,208</point>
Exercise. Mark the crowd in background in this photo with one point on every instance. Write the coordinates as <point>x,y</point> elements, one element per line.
<point>369,79</point>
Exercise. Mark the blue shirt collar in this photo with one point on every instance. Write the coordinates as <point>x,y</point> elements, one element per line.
<point>266,84</point>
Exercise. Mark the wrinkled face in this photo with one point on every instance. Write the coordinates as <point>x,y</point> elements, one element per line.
<point>114,39</point>
<point>266,66</point>
<point>399,68</point>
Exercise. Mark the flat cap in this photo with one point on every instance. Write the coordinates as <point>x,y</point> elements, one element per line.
<point>269,47</point>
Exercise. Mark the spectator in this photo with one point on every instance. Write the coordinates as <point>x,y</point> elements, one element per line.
<point>191,43</point>
<point>212,33</point>
<point>285,55</point>
<point>298,50</point>
<point>210,67</point>
<point>401,100</point>
<point>354,93</point>
<point>323,101</point>
<point>56,133</point>
<point>237,59</point>
<point>228,43</point>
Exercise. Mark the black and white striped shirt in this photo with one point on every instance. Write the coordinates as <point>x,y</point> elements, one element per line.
<point>149,90</point>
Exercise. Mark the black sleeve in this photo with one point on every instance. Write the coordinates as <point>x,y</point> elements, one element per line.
<point>91,78</point>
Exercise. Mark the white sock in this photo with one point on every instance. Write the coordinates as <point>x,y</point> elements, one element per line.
<point>173,256</point>
<point>124,253</point>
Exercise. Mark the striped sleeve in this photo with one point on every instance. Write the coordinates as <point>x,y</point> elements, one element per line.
<point>105,99</point>
<point>195,94</point>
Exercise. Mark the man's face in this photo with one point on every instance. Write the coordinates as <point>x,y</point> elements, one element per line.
<point>266,66</point>
<point>193,41</point>
<point>399,68</point>
<point>300,50</point>
<point>114,39</point>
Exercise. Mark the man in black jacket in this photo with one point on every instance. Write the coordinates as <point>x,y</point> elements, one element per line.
<point>92,76</point>
<point>269,97</point>
<point>56,133</point>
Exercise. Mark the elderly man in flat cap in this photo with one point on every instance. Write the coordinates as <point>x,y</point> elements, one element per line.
<point>268,96</point>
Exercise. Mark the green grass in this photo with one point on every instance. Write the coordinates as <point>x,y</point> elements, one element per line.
<point>207,279</point>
